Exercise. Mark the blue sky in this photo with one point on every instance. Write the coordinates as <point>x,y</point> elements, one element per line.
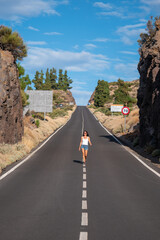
<point>91,39</point>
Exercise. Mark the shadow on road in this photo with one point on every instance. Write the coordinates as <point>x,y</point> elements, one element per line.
<point>78,161</point>
<point>110,138</point>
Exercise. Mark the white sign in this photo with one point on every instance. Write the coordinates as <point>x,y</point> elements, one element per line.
<point>116,108</point>
<point>40,100</point>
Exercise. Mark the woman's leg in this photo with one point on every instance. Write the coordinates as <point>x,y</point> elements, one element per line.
<point>83,154</point>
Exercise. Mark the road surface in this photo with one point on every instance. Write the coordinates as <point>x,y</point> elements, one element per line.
<point>53,196</point>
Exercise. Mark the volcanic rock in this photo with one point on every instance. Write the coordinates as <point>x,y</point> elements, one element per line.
<point>11,111</point>
<point>149,90</point>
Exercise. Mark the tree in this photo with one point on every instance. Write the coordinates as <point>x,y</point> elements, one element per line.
<point>24,80</point>
<point>66,81</point>
<point>150,31</point>
<point>121,95</point>
<point>101,93</point>
<point>38,80</point>
<point>60,79</point>
<point>12,42</point>
<point>47,84</point>
<point>53,78</point>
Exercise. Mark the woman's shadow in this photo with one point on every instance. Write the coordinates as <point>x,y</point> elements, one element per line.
<point>78,161</point>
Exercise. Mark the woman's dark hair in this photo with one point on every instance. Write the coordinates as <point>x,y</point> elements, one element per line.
<point>86,132</point>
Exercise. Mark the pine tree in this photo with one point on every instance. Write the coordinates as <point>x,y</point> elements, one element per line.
<point>60,79</point>
<point>24,80</point>
<point>12,42</point>
<point>66,81</point>
<point>38,80</point>
<point>53,78</point>
<point>121,95</point>
<point>101,93</point>
<point>47,84</point>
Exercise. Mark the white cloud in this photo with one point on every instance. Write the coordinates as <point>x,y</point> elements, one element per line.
<point>34,29</point>
<point>90,45</point>
<point>128,52</point>
<point>74,61</point>
<point>112,13</point>
<point>18,9</point>
<point>76,46</point>
<point>36,43</point>
<point>130,33</point>
<point>127,71</point>
<point>101,40</point>
<point>81,96</point>
<point>104,6</point>
<point>53,33</point>
<point>153,2</point>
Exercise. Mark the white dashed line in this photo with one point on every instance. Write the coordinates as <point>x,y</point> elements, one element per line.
<point>84,170</point>
<point>83,236</point>
<point>84,176</point>
<point>84,220</point>
<point>84,204</point>
<point>84,184</point>
<point>84,194</point>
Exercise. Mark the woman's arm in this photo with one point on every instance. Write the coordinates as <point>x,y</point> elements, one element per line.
<point>89,141</point>
<point>80,144</point>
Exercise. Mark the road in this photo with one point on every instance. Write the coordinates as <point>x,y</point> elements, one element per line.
<point>53,196</point>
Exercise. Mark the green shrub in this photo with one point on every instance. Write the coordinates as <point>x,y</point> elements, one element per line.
<point>38,115</point>
<point>136,142</point>
<point>37,123</point>
<point>156,153</point>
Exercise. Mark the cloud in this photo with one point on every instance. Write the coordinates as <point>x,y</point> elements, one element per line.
<point>153,2</point>
<point>108,10</point>
<point>34,29</point>
<point>127,71</point>
<point>18,9</point>
<point>90,45</point>
<point>36,43</point>
<point>128,52</point>
<point>101,40</point>
<point>73,61</point>
<point>53,33</point>
<point>104,6</point>
<point>76,46</point>
<point>130,33</point>
<point>81,96</point>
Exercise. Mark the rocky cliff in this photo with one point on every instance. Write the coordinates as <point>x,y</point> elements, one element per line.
<point>149,91</point>
<point>11,112</point>
<point>63,97</point>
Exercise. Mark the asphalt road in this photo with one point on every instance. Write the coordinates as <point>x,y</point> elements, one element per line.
<point>53,196</point>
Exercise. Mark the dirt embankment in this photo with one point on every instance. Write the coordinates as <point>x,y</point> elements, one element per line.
<point>33,136</point>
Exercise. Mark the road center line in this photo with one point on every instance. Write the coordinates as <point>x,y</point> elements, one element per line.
<point>84,170</point>
<point>84,176</point>
<point>84,184</point>
<point>84,220</point>
<point>83,236</point>
<point>84,204</point>
<point>84,194</point>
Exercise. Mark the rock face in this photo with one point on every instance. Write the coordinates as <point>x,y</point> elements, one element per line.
<point>149,90</point>
<point>63,97</point>
<point>11,111</point>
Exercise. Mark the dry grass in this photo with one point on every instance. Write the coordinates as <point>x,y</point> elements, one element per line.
<point>116,123</point>
<point>32,137</point>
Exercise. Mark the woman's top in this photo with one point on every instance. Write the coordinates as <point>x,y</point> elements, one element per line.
<point>84,141</point>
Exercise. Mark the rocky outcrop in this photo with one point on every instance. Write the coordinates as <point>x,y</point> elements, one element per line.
<point>149,90</point>
<point>63,97</point>
<point>11,111</point>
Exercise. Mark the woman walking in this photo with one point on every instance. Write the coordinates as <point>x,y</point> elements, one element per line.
<point>85,139</point>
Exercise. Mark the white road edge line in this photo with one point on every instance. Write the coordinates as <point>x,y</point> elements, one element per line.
<point>83,236</point>
<point>30,155</point>
<point>151,169</point>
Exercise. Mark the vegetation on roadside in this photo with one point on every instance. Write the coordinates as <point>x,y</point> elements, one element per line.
<point>11,41</point>
<point>101,93</point>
